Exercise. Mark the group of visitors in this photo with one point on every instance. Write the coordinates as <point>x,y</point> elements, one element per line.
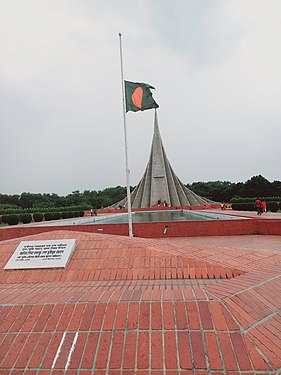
<point>225,206</point>
<point>260,206</point>
<point>165,204</point>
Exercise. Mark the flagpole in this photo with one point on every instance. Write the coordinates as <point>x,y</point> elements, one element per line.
<point>126,145</point>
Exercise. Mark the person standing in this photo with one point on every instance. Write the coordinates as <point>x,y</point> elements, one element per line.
<point>263,206</point>
<point>258,206</point>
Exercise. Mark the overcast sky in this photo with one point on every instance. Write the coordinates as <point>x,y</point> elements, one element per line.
<point>216,67</point>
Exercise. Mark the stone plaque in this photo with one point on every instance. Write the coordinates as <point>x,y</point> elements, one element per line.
<point>42,254</point>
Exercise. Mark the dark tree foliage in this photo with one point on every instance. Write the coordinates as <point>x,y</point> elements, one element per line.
<point>224,191</point>
<point>276,188</point>
<point>90,199</point>
<point>9,200</point>
<point>218,191</point>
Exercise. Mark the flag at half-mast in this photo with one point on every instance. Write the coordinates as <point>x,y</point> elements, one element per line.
<point>139,96</point>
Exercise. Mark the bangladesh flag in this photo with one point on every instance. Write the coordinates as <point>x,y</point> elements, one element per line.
<point>139,96</point>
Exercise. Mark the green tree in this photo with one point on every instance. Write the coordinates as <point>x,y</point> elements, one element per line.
<point>26,200</point>
<point>257,186</point>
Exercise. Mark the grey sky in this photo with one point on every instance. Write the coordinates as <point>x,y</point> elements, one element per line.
<point>216,66</point>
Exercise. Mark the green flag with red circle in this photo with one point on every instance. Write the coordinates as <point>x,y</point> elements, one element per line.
<point>139,97</point>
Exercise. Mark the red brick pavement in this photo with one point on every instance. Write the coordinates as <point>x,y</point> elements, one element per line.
<point>111,258</point>
<point>136,306</point>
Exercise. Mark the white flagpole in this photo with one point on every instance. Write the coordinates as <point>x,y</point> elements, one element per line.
<point>126,146</point>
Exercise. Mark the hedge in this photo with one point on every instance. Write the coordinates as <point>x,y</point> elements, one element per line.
<point>33,210</point>
<point>4,219</point>
<point>12,219</point>
<point>25,218</point>
<point>243,206</point>
<point>272,206</point>
<point>252,200</point>
<point>37,217</point>
<point>56,215</point>
<point>48,216</point>
<point>67,215</point>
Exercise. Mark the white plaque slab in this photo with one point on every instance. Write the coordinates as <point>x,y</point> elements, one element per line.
<point>41,254</point>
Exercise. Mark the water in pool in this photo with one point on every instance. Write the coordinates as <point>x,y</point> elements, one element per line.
<point>175,215</point>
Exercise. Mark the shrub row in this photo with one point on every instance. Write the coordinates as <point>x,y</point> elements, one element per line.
<point>252,200</point>
<point>38,216</point>
<point>14,219</point>
<point>25,218</point>
<point>18,211</point>
<point>271,206</point>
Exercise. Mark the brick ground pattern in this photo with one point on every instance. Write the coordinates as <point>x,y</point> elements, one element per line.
<point>140,306</point>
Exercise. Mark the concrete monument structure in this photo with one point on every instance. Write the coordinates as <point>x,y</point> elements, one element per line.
<point>160,183</point>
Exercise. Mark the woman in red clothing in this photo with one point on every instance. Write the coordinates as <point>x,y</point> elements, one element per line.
<point>258,206</point>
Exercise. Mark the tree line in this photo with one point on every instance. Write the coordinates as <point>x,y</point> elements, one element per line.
<point>218,191</point>
<point>225,191</point>
<point>86,199</point>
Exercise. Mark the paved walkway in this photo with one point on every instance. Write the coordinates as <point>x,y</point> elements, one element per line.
<point>138,306</point>
<point>253,214</point>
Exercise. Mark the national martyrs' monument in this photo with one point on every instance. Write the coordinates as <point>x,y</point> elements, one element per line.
<point>160,182</point>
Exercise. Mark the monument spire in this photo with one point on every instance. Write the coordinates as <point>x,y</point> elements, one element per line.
<point>159,182</point>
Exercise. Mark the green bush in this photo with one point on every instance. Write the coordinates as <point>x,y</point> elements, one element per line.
<point>76,213</point>
<point>12,219</point>
<point>243,206</point>
<point>37,217</point>
<point>67,215</point>
<point>248,204</point>
<point>249,207</point>
<point>25,218</point>
<point>272,206</point>
<point>48,216</point>
<point>81,213</point>
<point>235,206</point>
<point>7,210</point>
<point>252,200</point>
<point>4,219</point>
<point>56,215</point>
